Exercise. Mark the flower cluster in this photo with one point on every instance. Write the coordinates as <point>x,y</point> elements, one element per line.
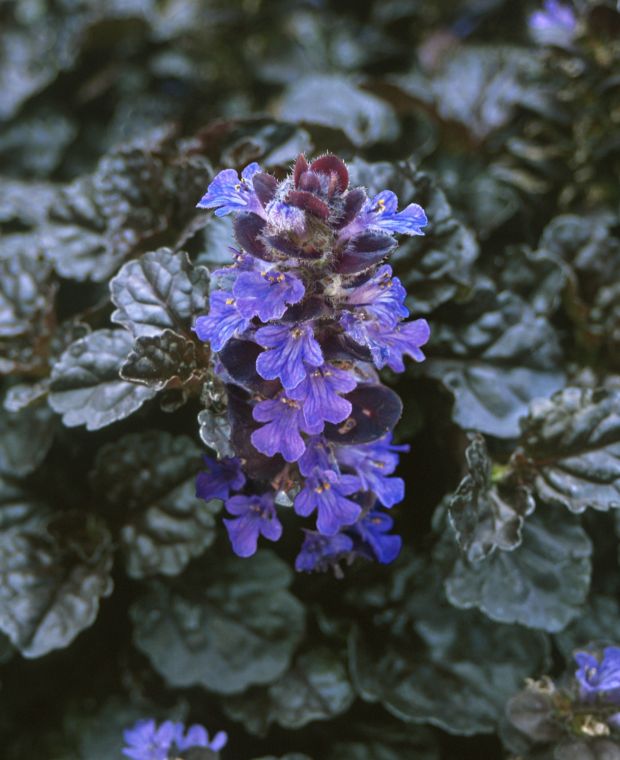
<point>301,321</point>
<point>145,741</point>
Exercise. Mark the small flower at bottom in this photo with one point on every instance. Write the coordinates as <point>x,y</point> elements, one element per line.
<point>319,553</point>
<point>254,516</point>
<point>198,736</point>
<point>326,493</point>
<point>555,24</point>
<point>373,530</point>
<point>220,479</point>
<point>147,742</point>
<point>599,678</point>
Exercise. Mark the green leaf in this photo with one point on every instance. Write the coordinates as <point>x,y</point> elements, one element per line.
<point>486,516</point>
<point>235,626</point>
<point>315,688</point>
<point>428,663</point>
<point>53,572</point>
<point>26,310</point>
<point>135,197</point>
<point>160,290</point>
<point>86,387</point>
<point>542,584</point>
<point>25,292</point>
<point>26,438</point>
<point>480,86</point>
<point>148,482</point>
<point>331,100</point>
<point>167,360</point>
<point>572,442</point>
<point>494,355</point>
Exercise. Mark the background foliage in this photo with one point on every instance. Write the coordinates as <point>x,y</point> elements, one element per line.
<point>119,596</point>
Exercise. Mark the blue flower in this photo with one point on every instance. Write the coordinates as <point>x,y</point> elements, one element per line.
<point>387,344</point>
<point>281,434</point>
<point>318,454</point>
<point>373,530</point>
<point>223,321</point>
<point>556,24</point>
<point>255,515</point>
<point>220,479</point>
<point>326,492</point>
<point>291,349</point>
<point>319,553</point>
<point>372,463</point>
<point>147,742</point>
<point>599,679</point>
<point>198,736</point>
<point>382,211</point>
<point>319,395</point>
<point>229,194</point>
<point>266,294</point>
<point>382,296</point>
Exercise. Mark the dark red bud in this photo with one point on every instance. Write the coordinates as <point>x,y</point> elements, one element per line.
<point>247,228</point>
<point>301,166</point>
<point>265,187</point>
<point>331,164</point>
<point>308,202</point>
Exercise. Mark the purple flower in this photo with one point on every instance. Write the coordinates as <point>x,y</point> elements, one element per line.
<point>147,742</point>
<point>382,211</point>
<point>326,493</point>
<point>220,479</point>
<point>266,294</point>
<point>281,434</point>
<point>319,395</point>
<point>198,736</point>
<point>228,194</point>
<point>372,463</point>
<point>223,321</point>
<point>599,678</point>
<point>291,349</point>
<point>388,344</point>
<point>382,296</point>
<point>319,553</point>
<point>556,24</point>
<point>373,530</point>
<point>255,515</point>
<point>318,454</point>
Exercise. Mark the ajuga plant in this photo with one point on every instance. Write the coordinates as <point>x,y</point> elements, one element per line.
<point>300,324</point>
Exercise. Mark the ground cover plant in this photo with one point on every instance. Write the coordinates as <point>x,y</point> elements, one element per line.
<point>310,380</point>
